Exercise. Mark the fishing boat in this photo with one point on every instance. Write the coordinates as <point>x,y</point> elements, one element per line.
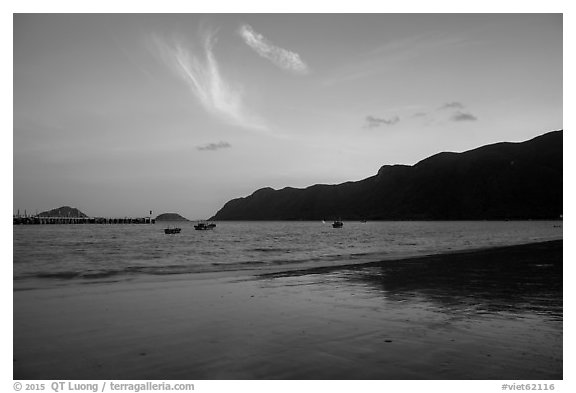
<point>203,226</point>
<point>337,224</point>
<point>171,231</point>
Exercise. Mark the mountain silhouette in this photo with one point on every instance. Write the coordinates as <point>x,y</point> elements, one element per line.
<point>498,181</point>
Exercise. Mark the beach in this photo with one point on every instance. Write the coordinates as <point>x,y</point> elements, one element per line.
<point>479,314</point>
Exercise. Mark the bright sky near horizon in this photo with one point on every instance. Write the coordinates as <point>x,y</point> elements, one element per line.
<point>119,114</point>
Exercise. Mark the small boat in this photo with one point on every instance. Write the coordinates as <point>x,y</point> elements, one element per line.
<point>337,224</point>
<point>171,231</point>
<point>203,226</point>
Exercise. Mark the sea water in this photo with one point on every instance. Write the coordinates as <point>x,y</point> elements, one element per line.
<point>76,253</point>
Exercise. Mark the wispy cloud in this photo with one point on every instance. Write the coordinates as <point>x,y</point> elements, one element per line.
<point>215,146</point>
<point>452,105</point>
<point>463,116</point>
<point>458,113</point>
<point>201,71</point>
<point>283,58</point>
<point>372,122</point>
<point>414,46</point>
<point>392,55</point>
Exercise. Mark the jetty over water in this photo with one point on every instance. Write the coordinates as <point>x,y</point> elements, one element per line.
<point>44,220</point>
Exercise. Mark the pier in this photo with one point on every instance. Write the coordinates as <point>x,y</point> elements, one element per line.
<point>44,220</point>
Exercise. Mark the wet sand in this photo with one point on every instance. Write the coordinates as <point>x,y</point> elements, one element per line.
<point>490,314</point>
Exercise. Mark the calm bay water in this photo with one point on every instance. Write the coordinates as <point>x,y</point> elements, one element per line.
<point>494,316</point>
<point>80,252</point>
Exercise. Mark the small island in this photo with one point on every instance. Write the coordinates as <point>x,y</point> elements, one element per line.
<point>170,217</point>
<point>64,211</point>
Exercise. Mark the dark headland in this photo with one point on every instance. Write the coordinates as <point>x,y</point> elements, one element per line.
<point>494,182</point>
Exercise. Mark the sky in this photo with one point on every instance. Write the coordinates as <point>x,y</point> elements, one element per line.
<point>120,114</point>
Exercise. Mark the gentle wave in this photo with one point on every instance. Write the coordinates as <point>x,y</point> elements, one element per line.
<point>80,252</point>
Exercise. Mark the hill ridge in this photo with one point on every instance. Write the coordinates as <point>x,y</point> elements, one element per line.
<point>504,180</point>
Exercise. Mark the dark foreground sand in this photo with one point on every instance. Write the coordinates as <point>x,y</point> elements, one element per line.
<point>493,314</point>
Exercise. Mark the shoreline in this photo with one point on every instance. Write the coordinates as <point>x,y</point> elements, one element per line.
<point>26,284</point>
<point>489,314</point>
<point>475,252</point>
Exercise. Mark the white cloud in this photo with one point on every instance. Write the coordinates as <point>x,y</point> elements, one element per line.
<point>283,58</point>
<point>202,73</point>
